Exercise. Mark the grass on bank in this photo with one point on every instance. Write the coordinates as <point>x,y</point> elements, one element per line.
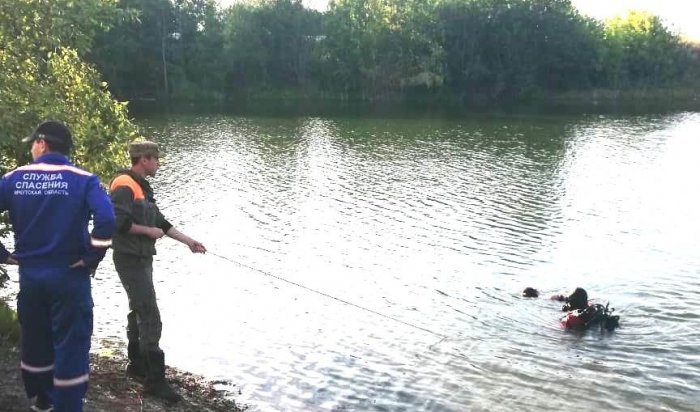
<point>9,325</point>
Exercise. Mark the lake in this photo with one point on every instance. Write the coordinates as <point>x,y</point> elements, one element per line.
<point>376,264</point>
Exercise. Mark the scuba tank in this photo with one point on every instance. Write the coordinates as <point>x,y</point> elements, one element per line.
<point>594,314</point>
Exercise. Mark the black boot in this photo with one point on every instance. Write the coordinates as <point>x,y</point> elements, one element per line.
<point>155,384</point>
<point>42,404</point>
<point>136,368</point>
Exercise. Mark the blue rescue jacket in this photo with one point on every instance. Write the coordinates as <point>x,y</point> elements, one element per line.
<point>50,203</point>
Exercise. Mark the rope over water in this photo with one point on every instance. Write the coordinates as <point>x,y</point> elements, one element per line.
<point>318,292</point>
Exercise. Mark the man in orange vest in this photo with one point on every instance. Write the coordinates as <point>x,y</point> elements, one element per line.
<point>139,223</point>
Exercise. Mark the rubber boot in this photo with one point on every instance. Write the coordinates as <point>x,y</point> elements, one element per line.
<point>155,384</point>
<point>136,368</point>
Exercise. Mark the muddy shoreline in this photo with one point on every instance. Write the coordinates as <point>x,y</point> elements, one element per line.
<point>111,390</point>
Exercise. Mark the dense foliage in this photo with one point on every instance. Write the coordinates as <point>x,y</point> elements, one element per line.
<point>42,76</point>
<point>464,50</point>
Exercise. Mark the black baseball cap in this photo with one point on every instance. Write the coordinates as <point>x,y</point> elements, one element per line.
<point>53,131</point>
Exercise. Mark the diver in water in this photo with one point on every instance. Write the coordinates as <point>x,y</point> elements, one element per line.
<point>581,314</point>
<point>578,299</point>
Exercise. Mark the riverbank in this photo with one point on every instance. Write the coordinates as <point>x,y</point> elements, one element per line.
<point>593,101</point>
<point>111,390</point>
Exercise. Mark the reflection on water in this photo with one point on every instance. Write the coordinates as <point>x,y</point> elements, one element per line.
<point>439,223</point>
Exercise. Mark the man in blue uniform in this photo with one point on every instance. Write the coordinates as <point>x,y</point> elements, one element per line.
<point>50,203</point>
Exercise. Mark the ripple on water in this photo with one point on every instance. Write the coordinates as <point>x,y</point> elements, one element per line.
<point>440,224</point>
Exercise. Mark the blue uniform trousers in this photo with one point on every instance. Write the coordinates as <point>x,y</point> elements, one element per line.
<point>54,306</point>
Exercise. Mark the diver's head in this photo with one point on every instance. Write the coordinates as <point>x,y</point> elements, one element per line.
<point>578,299</point>
<point>529,292</point>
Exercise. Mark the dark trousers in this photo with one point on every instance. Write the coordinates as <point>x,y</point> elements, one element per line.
<point>136,275</point>
<point>55,312</point>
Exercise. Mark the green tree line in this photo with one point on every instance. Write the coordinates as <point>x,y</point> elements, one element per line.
<point>461,50</point>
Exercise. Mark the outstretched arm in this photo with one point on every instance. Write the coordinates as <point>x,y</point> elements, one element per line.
<point>195,246</point>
